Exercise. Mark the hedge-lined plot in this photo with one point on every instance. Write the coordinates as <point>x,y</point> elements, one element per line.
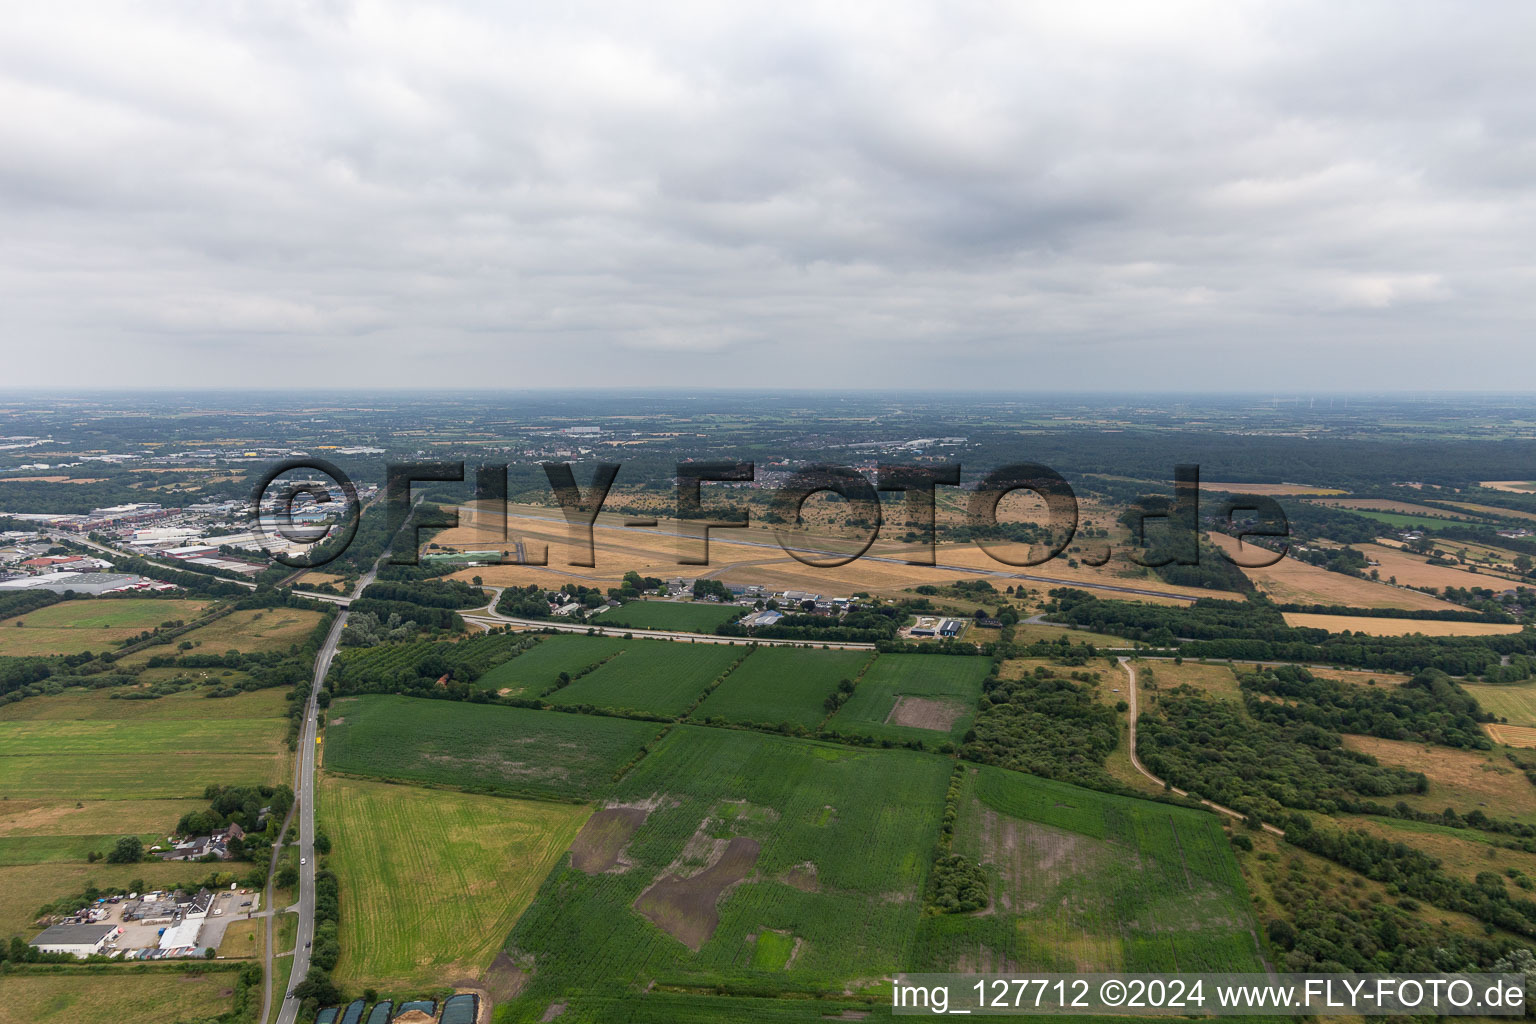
<point>782,684</point>
<point>654,677</point>
<point>832,846</point>
<point>513,751</point>
<point>904,697</point>
<point>683,616</point>
<point>90,625</point>
<point>1086,881</point>
<point>141,757</point>
<point>433,881</point>
<point>537,669</point>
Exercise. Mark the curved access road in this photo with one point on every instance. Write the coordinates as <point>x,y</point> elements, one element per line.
<point>1130,670</point>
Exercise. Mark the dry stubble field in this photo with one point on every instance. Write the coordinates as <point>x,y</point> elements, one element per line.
<point>1293,581</point>
<point>1397,627</point>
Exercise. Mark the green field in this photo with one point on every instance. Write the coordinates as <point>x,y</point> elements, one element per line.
<point>55,849</point>
<point>782,684</point>
<point>656,677</point>
<point>682,616</point>
<point>845,840</point>
<point>534,671</point>
<point>431,882</point>
<point>99,624</point>
<point>513,751</point>
<point>106,705</point>
<point>1403,521</point>
<point>1085,881</point>
<point>950,681</point>
<point>77,747</point>
<point>117,997</point>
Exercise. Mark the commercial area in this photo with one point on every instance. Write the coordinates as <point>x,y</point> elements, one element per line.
<point>149,926</point>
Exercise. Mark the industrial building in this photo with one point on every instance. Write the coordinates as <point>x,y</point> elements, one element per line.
<point>80,940</point>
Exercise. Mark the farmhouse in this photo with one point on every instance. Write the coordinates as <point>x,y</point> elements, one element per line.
<point>216,844</point>
<point>80,940</point>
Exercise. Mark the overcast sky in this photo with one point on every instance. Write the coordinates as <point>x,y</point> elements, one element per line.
<point>1149,195</point>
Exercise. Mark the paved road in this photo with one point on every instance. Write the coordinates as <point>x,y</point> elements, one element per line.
<point>1130,670</point>
<point>304,791</point>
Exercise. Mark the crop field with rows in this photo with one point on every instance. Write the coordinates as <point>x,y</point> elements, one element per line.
<point>432,881</point>
<point>782,684</point>
<point>897,683</point>
<point>781,864</point>
<point>537,668</point>
<point>657,677</point>
<point>512,751</point>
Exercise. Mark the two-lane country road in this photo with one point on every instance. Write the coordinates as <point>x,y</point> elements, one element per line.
<point>304,794</point>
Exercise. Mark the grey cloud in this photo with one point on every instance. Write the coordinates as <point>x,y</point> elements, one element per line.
<point>1180,195</point>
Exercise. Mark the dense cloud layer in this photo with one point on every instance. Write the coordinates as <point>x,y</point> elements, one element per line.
<point>1052,194</point>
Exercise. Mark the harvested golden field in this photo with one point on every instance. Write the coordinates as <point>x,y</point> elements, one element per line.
<point>1293,581</point>
<point>1512,735</point>
<point>1357,677</point>
<point>1397,627</point>
<point>1156,675</point>
<point>432,881</point>
<point>51,479</point>
<point>1515,703</point>
<point>115,998</point>
<point>1407,508</point>
<point>1515,486</point>
<point>751,556</point>
<point>1494,510</point>
<point>1412,570</point>
<point>1273,490</point>
<point>266,629</point>
<point>1463,779</point>
<point>315,578</point>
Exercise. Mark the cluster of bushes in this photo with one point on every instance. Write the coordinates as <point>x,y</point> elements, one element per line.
<point>1331,927</point>
<point>1418,875</point>
<point>1045,724</point>
<point>432,594</point>
<point>533,602</point>
<point>237,805</point>
<point>1216,750</point>
<point>1255,630</point>
<point>1430,707</point>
